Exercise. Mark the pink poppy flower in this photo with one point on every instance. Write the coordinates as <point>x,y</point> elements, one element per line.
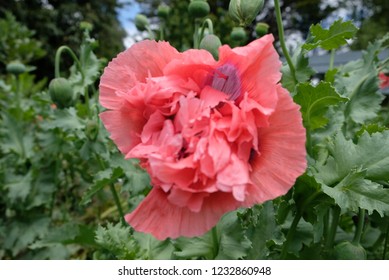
<point>384,80</point>
<point>213,135</point>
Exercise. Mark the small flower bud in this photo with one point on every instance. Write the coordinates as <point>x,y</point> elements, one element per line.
<point>211,43</point>
<point>238,34</point>
<point>244,12</point>
<point>141,22</point>
<point>261,29</point>
<point>16,68</point>
<point>349,251</point>
<point>163,11</point>
<point>61,92</point>
<point>199,8</point>
<point>84,25</point>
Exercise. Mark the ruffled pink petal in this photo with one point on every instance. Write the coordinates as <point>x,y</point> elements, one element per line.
<point>282,152</point>
<point>144,59</point>
<point>124,126</point>
<point>157,216</point>
<point>259,68</point>
<point>195,65</point>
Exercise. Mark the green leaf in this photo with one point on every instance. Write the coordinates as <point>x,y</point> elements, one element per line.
<point>302,70</point>
<point>102,179</point>
<point>371,153</point>
<point>117,240</point>
<point>315,101</point>
<point>91,66</point>
<point>18,138</point>
<point>355,192</point>
<point>331,38</point>
<point>19,187</point>
<point>22,234</point>
<point>153,249</point>
<point>263,232</point>
<point>228,242</point>
<point>358,81</point>
<point>65,119</point>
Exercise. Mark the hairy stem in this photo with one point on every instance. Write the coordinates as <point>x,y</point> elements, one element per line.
<point>282,40</point>
<point>360,226</point>
<point>333,227</point>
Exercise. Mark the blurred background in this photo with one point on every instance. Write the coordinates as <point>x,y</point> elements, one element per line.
<point>32,30</point>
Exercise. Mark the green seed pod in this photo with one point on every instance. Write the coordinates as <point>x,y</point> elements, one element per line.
<point>199,8</point>
<point>163,11</point>
<point>244,12</point>
<point>238,34</point>
<point>348,251</point>
<point>261,29</point>
<point>16,68</point>
<point>211,43</point>
<point>61,93</point>
<point>141,22</point>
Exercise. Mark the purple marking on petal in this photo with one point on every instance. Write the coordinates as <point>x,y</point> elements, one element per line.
<point>226,79</point>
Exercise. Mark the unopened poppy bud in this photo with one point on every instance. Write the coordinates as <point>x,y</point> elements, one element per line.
<point>349,251</point>
<point>141,22</point>
<point>163,11</point>
<point>84,25</point>
<point>244,11</point>
<point>238,34</point>
<point>261,29</point>
<point>61,92</point>
<point>199,8</point>
<point>16,68</point>
<point>211,43</point>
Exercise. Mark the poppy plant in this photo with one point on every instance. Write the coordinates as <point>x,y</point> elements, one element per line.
<point>213,135</point>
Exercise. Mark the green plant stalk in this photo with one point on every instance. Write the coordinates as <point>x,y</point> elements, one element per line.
<point>17,100</point>
<point>282,40</point>
<point>360,226</point>
<point>196,37</point>
<point>333,227</point>
<point>151,33</point>
<point>386,242</point>
<point>332,60</point>
<point>215,241</point>
<point>58,61</point>
<point>117,202</point>
<point>206,23</point>
<point>294,224</point>
<point>290,235</point>
<point>114,194</point>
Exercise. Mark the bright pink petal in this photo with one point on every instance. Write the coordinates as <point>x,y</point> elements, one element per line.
<point>282,152</point>
<point>157,216</point>
<point>124,126</point>
<point>144,59</point>
<point>259,67</point>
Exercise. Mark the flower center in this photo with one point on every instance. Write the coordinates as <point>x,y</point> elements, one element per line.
<point>225,78</point>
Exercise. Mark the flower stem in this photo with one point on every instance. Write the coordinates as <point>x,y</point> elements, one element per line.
<point>334,225</point>
<point>114,193</point>
<point>332,60</point>
<point>290,235</point>
<point>215,241</point>
<point>386,242</point>
<point>117,202</point>
<point>196,37</point>
<point>58,61</point>
<point>207,22</point>
<point>282,40</point>
<point>360,226</point>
